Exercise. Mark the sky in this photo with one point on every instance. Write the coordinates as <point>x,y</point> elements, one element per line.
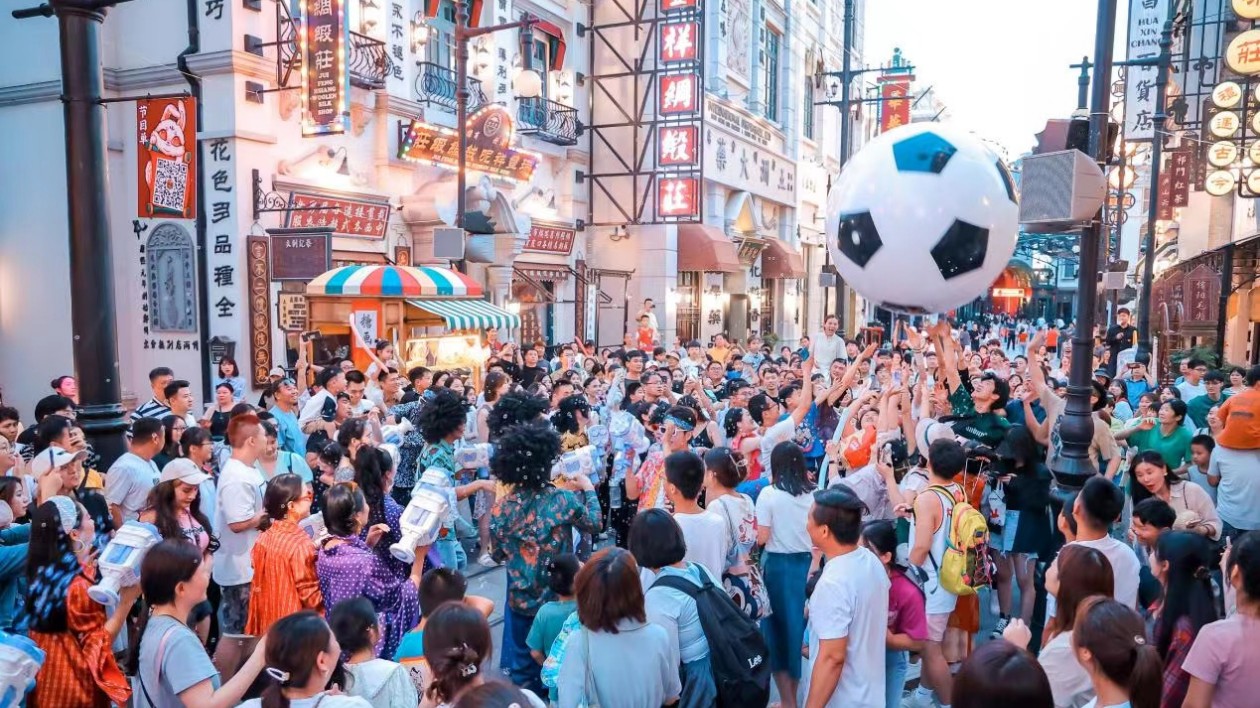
<point>1001,66</point>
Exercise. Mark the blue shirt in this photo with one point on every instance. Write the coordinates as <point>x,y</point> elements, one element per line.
<point>1133,390</point>
<point>288,433</point>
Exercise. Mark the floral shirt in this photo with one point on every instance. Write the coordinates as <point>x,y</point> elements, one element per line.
<point>652,480</point>
<point>412,444</point>
<point>530,527</point>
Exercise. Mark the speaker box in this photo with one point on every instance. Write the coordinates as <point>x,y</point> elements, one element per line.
<point>1060,190</point>
<point>448,243</point>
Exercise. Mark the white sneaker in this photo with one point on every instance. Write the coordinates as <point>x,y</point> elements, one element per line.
<point>486,561</point>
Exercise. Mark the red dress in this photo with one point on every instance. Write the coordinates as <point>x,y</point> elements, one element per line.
<point>753,458</point>
<point>80,671</point>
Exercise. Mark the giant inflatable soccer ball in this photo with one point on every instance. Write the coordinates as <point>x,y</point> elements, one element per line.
<point>923,219</point>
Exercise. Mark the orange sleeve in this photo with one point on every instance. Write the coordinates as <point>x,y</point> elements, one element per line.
<point>86,620</point>
<point>305,582</point>
<point>1223,413</point>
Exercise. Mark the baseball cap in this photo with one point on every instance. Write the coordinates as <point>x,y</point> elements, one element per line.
<point>929,431</point>
<point>671,354</point>
<point>277,371</point>
<point>1100,371</point>
<point>54,458</point>
<point>184,470</point>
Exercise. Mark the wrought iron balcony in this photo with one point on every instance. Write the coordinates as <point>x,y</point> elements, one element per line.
<point>436,85</point>
<point>369,61</point>
<point>547,120</point>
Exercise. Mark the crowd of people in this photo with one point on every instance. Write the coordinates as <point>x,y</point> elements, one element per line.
<point>826,525</point>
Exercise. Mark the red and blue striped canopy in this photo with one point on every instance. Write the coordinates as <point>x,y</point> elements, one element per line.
<point>394,281</point>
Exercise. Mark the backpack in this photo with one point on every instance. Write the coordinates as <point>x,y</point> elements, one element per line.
<point>737,650</point>
<point>967,564</point>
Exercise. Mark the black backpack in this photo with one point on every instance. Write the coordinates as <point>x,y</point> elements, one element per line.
<point>737,651</point>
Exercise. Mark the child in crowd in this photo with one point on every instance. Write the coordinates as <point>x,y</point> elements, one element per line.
<point>907,618</point>
<point>552,615</point>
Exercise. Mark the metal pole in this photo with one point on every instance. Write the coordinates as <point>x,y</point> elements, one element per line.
<point>1082,83</point>
<point>92,305</point>
<point>1152,211</point>
<point>1227,287</point>
<point>1073,465</point>
<point>846,79</point>
<point>462,14</point>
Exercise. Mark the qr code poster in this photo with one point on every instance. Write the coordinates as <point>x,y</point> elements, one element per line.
<point>166,133</point>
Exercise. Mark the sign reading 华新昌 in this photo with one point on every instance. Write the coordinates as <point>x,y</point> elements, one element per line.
<point>490,133</point>
<point>166,132</point>
<point>323,40</point>
<point>346,217</point>
<point>299,254</point>
<point>293,312</point>
<point>550,238</point>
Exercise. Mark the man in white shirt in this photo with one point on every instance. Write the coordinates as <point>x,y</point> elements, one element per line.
<point>133,475</point>
<point>180,399</point>
<point>320,412</point>
<point>1098,505</point>
<point>848,612</point>
<point>239,518</point>
<point>826,347</point>
<point>649,311</point>
<point>706,533</point>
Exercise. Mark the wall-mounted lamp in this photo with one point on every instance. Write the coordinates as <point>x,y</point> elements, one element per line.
<point>343,169</point>
<point>419,32</point>
<point>528,83</point>
<point>618,234</point>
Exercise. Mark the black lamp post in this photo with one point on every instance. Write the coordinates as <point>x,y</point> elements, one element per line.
<point>1157,147</point>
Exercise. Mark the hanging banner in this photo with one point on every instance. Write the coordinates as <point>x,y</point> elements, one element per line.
<point>324,38</point>
<point>256,260</point>
<point>894,110</point>
<point>490,138</point>
<point>346,217</point>
<point>166,134</point>
<point>1146,24</point>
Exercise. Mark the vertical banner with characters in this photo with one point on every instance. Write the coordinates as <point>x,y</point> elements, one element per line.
<point>324,44</point>
<point>166,150</point>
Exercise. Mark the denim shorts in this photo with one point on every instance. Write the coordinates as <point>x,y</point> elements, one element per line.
<point>234,610</point>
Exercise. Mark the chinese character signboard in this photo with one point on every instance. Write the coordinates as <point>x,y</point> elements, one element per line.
<point>549,238</point>
<point>1179,174</point>
<point>259,286</point>
<point>894,110</point>
<point>293,312</point>
<point>298,254</point>
<point>1247,9</point>
<point>166,136</point>
<point>679,146</point>
<point>323,38</point>
<point>490,133</point>
<point>346,217</point>
<point>668,6</point>
<point>679,41</point>
<point>1243,54</point>
<point>1146,24</point>
<point>678,197</point>
<point>679,94</point>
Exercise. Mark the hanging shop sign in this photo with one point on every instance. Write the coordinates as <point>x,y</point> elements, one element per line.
<point>1227,94</point>
<point>678,41</point>
<point>402,255</point>
<point>323,38</point>
<point>894,108</point>
<point>1247,9</point>
<point>1225,124</point>
<point>166,135</point>
<point>678,5</point>
<point>1219,183</point>
<point>1243,54</point>
<point>679,94</point>
<point>550,238</point>
<point>1008,292</point>
<point>678,197</point>
<point>1222,154</point>
<point>490,138</point>
<point>1146,24</point>
<point>678,146</point>
<point>293,312</point>
<point>300,255</point>
<point>358,218</point>
<point>259,292</point>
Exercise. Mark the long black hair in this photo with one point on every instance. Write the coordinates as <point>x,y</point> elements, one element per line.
<point>51,564</point>
<point>1138,491</point>
<point>371,467</point>
<point>789,473</point>
<point>170,446</point>
<point>1187,585</point>
<point>293,644</point>
<point>162,502</point>
<point>456,644</point>
<point>730,424</point>
<point>566,419</point>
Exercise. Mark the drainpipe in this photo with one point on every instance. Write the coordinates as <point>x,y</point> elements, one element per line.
<point>203,290</point>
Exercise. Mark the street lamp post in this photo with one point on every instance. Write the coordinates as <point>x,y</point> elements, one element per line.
<point>1157,147</point>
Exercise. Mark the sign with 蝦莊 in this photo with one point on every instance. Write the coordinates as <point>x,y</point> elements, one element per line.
<point>550,238</point>
<point>678,146</point>
<point>490,137</point>
<point>293,312</point>
<point>346,217</point>
<point>166,134</point>
<point>1146,24</point>
<point>323,37</point>
<point>298,255</point>
<point>678,197</point>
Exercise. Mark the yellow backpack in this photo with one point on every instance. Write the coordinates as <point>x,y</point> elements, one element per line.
<point>967,564</point>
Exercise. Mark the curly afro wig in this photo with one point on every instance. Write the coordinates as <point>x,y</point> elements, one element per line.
<point>524,454</point>
<point>566,417</point>
<point>514,408</point>
<point>444,414</point>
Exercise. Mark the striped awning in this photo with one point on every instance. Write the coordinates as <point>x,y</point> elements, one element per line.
<point>394,281</point>
<point>468,314</point>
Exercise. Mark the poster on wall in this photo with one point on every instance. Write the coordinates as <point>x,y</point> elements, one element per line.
<point>166,151</point>
<point>259,255</point>
<point>324,37</point>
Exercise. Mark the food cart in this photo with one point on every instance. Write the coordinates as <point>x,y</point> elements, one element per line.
<point>434,316</point>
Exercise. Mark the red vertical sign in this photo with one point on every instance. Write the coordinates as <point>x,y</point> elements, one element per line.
<point>894,110</point>
<point>166,134</point>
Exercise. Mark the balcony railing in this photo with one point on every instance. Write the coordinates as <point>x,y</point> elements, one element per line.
<point>369,61</point>
<point>547,120</point>
<point>436,85</point>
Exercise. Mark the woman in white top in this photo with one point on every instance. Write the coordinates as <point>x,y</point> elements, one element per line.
<point>1080,572</point>
<point>457,646</point>
<point>1152,477</point>
<point>382,682</point>
<point>725,469</point>
<point>782,511</point>
<point>1110,642</point>
<point>302,654</point>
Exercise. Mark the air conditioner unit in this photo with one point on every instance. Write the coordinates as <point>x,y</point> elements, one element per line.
<point>1060,191</point>
<point>448,243</point>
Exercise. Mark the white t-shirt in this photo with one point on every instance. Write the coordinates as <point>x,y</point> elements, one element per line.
<point>240,499</point>
<point>786,516</point>
<point>128,482</point>
<point>708,540</point>
<point>1124,567</point>
<point>1069,683</point>
<point>314,407</point>
<point>1191,391</point>
<point>823,350</point>
<point>851,600</point>
<point>775,434</point>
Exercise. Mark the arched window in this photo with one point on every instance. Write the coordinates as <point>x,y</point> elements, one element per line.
<point>169,274</point>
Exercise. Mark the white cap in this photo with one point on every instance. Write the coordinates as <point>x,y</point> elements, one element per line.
<point>278,372</point>
<point>184,470</point>
<point>54,458</point>
<point>928,431</point>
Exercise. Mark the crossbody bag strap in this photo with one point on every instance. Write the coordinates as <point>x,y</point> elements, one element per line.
<point>941,492</point>
<point>161,652</point>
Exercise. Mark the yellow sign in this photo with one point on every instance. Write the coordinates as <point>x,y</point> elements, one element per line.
<point>1243,54</point>
<point>1008,292</point>
<point>1224,124</point>
<point>1219,183</point>
<point>1247,9</point>
<point>1222,154</point>
<point>1227,94</point>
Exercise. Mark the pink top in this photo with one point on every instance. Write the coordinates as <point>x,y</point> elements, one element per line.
<point>1226,654</point>
<point>193,531</point>
<point>906,610</point>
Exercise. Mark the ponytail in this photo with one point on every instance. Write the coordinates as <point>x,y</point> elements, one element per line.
<point>1146,682</point>
<point>1115,636</point>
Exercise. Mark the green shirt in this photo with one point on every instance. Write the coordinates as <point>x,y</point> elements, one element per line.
<point>1175,448</point>
<point>1198,408</point>
<point>986,428</point>
<point>546,627</point>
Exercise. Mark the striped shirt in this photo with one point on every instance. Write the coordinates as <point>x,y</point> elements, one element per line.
<point>284,577</point>
<point>152,409</point>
